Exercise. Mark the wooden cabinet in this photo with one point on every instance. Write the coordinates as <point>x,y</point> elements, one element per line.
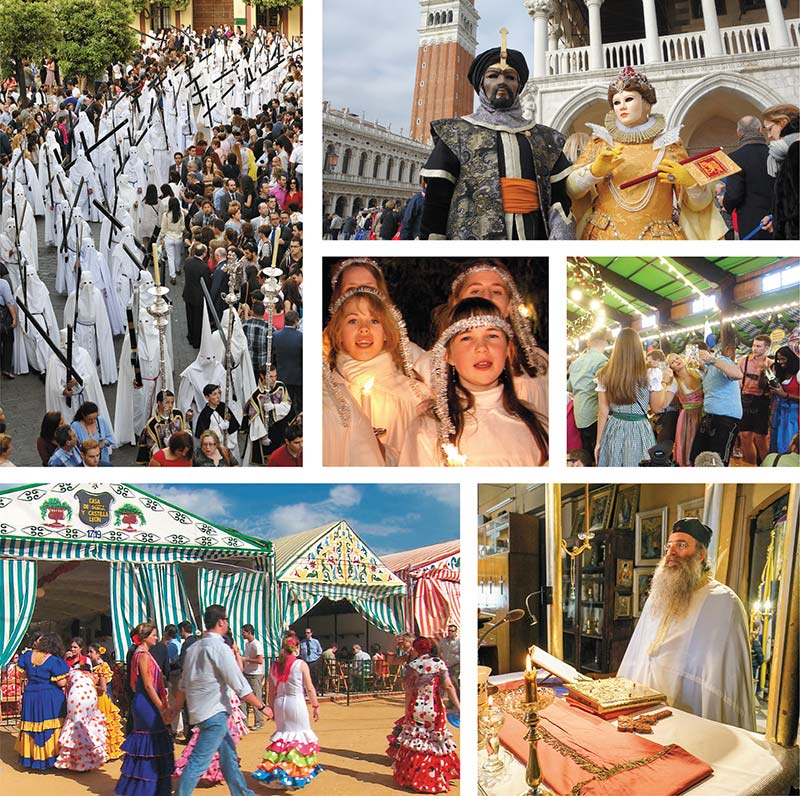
<point>508,570</point>
<point>597,614</point>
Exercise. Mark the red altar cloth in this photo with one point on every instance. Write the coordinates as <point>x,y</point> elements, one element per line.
<point>583,755</point>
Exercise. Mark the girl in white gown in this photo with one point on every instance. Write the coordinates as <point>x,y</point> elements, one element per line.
<point>369,357</point>
<point>477,418</point>
<point>290,760</point>
<point>491,279</point>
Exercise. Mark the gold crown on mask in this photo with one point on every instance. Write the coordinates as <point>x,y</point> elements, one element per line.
<point>629,77</point>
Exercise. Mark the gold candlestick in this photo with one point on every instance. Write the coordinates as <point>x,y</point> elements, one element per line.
<point>533,771</point>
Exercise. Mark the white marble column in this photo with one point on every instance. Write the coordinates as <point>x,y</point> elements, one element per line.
<point>541,11</point>
<point>713,39</point>
<point>595,34</point>
<point>652,49</point>
<point>778,35</point>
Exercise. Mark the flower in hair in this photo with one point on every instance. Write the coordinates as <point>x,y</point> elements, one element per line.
<point>422,646</point>
<point>101,650</point>
<point>136,638</point>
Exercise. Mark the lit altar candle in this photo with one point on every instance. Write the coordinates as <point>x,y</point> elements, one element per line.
<point>454,457</point>
<point>156,274</point>
<point>530,680</point>
<point>366,398</point>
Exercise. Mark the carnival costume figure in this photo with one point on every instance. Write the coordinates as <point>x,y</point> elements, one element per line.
<point>633,142</point>
<point>494,174</point>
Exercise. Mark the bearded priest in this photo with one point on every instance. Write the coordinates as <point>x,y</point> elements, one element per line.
<point>691,642</point>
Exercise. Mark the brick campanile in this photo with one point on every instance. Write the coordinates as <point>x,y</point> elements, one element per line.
<point>447,43</point>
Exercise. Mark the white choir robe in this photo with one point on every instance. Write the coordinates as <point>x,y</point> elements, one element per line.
<point>395,399</point>
<point>491,438</point>
<point>349,441</point>
<point>703,662</point>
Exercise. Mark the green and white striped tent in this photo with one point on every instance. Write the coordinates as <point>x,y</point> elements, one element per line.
<point>333,562</point>
<point>68,550</point>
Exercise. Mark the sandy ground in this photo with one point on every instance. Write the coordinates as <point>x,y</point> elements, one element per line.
<point>352,741</point>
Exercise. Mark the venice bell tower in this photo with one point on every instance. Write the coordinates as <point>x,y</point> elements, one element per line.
<point>447,44</point>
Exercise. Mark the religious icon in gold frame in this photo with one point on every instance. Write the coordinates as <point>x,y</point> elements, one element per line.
<point>622,606</point>
<point>601,501</point>
<point>625,507</point>
<point>651,536</point>
<point>642,577</point>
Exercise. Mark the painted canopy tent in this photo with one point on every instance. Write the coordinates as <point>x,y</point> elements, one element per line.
<point>332,562</point>
<point>432,576</point>
<point>64,547</point>
<point>677,299</point>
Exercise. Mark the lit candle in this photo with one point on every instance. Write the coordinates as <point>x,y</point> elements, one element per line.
<point>366,398</point>
<point>156,274</point>
<point>530,680</point>
<point>490,701</point>
<point>454,457</point>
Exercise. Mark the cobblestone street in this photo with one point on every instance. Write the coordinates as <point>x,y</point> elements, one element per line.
<point>23,399</point>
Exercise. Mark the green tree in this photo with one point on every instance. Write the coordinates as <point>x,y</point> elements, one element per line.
<point>94,34</point>
<point>273,3</point>
<point>27,31</point>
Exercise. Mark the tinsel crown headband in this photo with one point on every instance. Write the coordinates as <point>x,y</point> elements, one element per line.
<point>405,353</point>
<point>628,76</point>
<point>522,332</point>
<point>340,267</point>
<point>439,365</point>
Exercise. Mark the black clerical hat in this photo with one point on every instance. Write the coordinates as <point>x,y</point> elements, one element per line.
<point>516,60</point>
<point>694,528</point>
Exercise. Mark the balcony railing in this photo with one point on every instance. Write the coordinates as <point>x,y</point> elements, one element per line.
<point>739,40</point>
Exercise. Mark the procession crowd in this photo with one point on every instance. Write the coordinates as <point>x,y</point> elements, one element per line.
<point>190,159</point>
<point>77,714</point>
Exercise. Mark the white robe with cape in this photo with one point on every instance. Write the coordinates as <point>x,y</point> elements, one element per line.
<point>703,662</point>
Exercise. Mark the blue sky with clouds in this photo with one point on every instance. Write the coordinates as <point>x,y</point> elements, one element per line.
<point>371,52</point>
<point>388,517</point>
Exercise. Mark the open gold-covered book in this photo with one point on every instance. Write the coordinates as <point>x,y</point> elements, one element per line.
<point>612,695</point>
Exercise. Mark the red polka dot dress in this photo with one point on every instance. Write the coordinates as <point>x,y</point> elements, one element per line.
<point>424,752</point>
<point>82,744</point>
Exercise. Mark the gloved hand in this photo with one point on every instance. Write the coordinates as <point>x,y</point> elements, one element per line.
<point>679,175</point>
<point>606,161</point>
<point>223,425</point>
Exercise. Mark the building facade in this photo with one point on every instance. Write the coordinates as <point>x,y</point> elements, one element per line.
<point>447,44</point>
<point>366,163</point>
<point>708,70</point>
<point>203,14</point>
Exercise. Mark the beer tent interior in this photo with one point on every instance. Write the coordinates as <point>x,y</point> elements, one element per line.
<point>75,552</point>
<point>432,575</point>
<point>326,574</point>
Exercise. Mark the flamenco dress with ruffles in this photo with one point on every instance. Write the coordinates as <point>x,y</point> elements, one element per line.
<point>290,760</point>
<point>149,754</point>
<point>107,707</point>
<point>43,710</point>
<point>237,726</point>
<point>82,744</point>
<point>424,754</point>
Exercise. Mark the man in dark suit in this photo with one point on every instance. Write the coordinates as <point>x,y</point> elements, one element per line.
<point>195,273</point>
<point>287,346</point>
<point>231,194</point>
<point>749,191</point>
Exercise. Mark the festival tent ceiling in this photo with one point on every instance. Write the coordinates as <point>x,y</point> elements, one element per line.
<point>114,522</point>
<point>76,551</point>
<point>635,286</point>
<point>332,561</point>
<point>433,577</point>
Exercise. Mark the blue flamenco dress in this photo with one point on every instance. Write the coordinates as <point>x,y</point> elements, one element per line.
<point>149,752</point>
<point>43,710</point>
<point>290,760</point>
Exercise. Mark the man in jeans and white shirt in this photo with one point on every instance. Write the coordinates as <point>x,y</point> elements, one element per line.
<point>208,669</point>
<point>253,662</point>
